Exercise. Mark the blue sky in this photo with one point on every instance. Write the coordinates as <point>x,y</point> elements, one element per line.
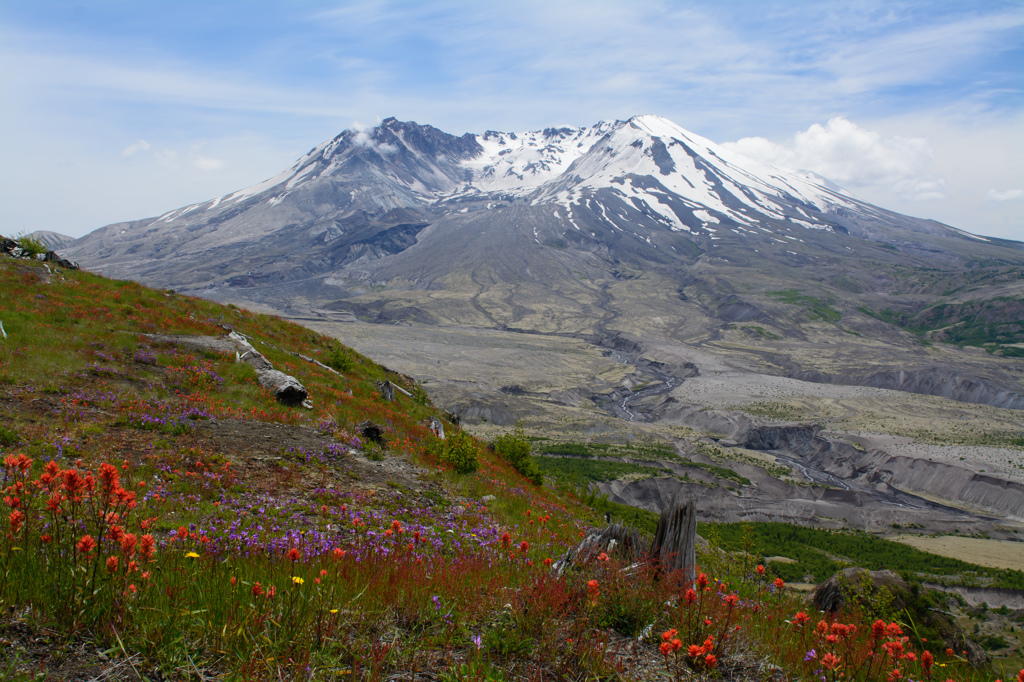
<point>115,111</point>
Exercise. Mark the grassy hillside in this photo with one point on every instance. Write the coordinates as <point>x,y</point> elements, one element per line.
<point>166,518</point>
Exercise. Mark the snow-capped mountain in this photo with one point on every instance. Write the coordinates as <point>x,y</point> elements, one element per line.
<point>672,176</point>
<point>375,214</point>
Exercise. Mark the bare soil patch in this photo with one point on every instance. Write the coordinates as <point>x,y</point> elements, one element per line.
<point>981,551</point>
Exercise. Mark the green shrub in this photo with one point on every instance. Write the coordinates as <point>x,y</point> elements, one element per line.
<point>461,452</point>
<point>8,436</point>
<point>336,358</point>
<point>32,245</point>
<point>515,449</point>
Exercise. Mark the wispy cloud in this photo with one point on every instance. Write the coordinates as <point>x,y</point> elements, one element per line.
<point>853,157</point>
<point>134,148</point>
<point>1005,194</point>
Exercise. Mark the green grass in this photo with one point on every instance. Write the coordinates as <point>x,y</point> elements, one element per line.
<point>814,308</point>
<point>820,553</point>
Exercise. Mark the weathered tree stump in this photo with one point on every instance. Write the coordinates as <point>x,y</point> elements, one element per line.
<point>437,427</point>
<point>614,539</point>
<point>674,546</point>
<point>371,432</point>
<point>387,390</point>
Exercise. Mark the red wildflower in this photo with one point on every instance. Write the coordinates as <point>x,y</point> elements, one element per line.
<point>523,546</point>
<point>676,644</point>
<point>112,564</point>
<point>416,537</point>
<point>45,539</point>
<point>182,532</point>
<point>691,596</point>
<point>271,591</point>
<point>710,661</point>
<point>666,649</point>
<point>894,629</point>
<point>548,561</point>
<point>731,600</point>
<point>16,518</point>
<point>86,545</point>
<point>73,482</point>
<point>760,569</point>
<point>294,554</point>
<point>779,583</point>
<point>257,589</point>
<point>801,618</point>
<point>694,650</point>
<point>53,504</point>
<point>878,629</point>
<point>396,526</point>
<point>926,661</point>
<point>669,634</point>
<point>128,544</point>
<point>821,627</point>
<point>592,588</point>
<point>702,580</point>
<point>234,581</point>
<point>146,547</point>
<point>602,557</point>
<point>110,476</point>
<point>506,540</point>
<point>339,553</point>
<point>830,661</point>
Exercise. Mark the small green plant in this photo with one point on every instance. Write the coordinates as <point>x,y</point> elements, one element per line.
<point>8,436</point>
<point>32,245</point>
<point>336,358</point>
<point>515,449</point>
<point>474,671</point>
<point>461,452</point>
<point>373,452</point>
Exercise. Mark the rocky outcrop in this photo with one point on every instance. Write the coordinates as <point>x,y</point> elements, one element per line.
<point>859,585</point>
<point>883,470</point>
<point>870,590</point>
<point>15,249</point>
<point>796,437</point>
<point>945,382</point>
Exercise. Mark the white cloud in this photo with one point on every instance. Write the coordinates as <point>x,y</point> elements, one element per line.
<point>1005,195</point>
<point>135,148</point>
<point>206,163</point>
<point>854,157</point>
<point>168,158</point>
<point>362,139</point>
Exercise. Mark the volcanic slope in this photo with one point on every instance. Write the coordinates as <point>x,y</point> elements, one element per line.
<point>636,229</point>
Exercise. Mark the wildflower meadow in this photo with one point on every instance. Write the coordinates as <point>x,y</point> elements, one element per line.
<point>167,519</point>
